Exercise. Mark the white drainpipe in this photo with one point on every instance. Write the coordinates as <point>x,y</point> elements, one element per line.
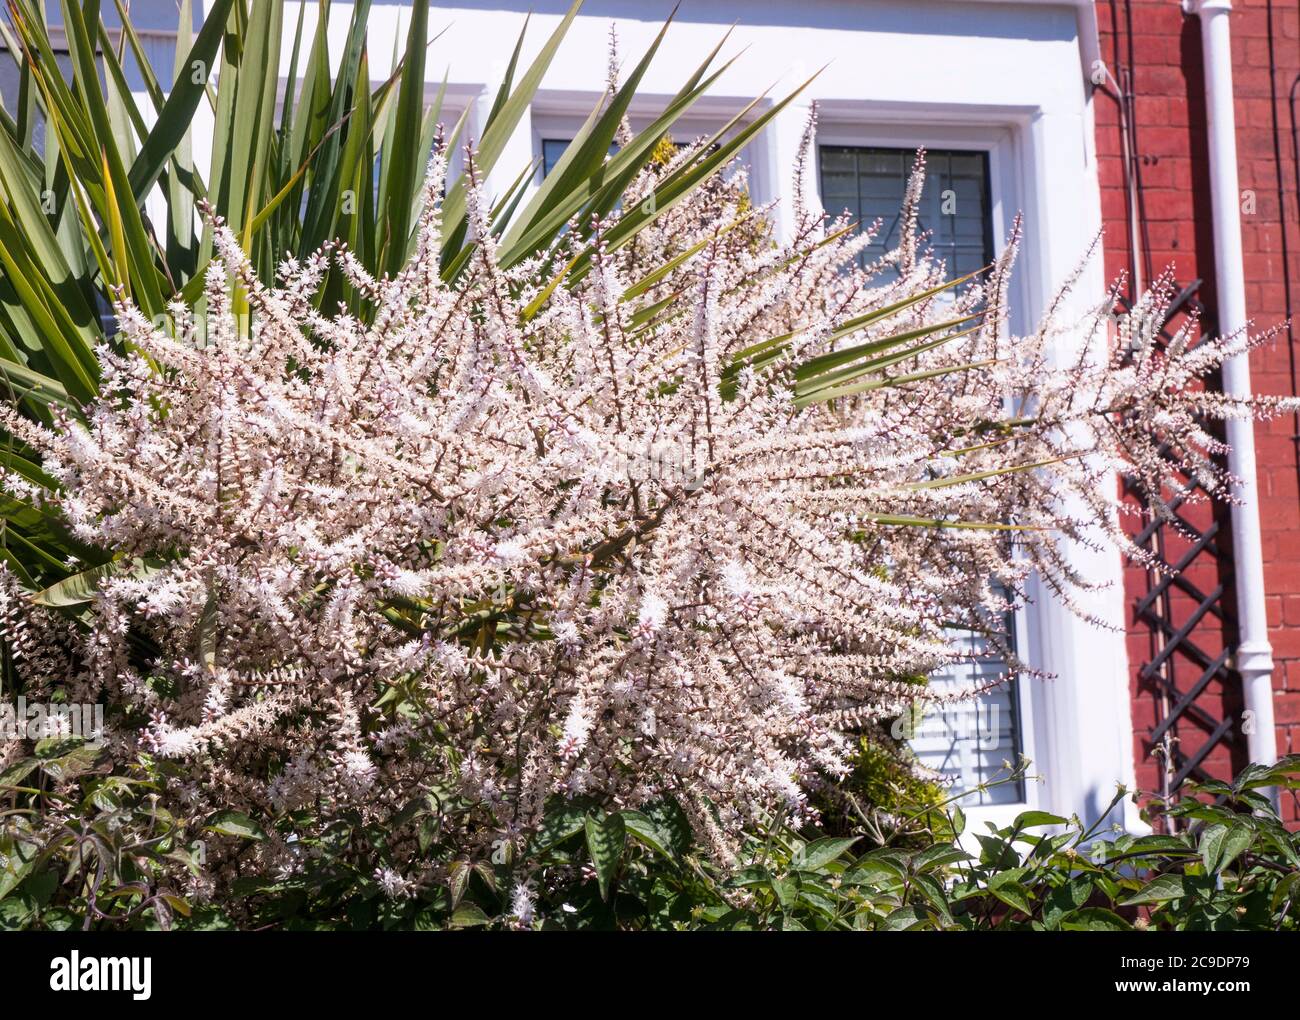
<point>1254,658</point>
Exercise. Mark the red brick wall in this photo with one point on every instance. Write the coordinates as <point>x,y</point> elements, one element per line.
<point>1159,49</point>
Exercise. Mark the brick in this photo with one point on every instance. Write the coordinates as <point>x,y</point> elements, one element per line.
<point>1285,642</point>
<point>1286,707</point>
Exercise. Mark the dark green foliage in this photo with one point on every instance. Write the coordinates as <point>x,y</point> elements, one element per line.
<point>1232,865</point>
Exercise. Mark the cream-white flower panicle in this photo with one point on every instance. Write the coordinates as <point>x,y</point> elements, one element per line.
<point>466,550</point>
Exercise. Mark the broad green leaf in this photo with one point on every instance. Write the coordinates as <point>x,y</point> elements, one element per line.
<point>458,881</point>
<point>939,856</point>
<point>468,915</point>
<point>605,840</point>
<point>235,823</point>
<point>819,853</point>
<point>1006,887</point>
<point>1158,890</point>
<point>1094,919</point>
<point>1287,891</point>
<point>1064,900</point>
<point>75,762</point>
<point>563,820</point>
<point>1238,839</point>
<point>18,771</point>
<point>906,918</point>
<point>17,859</point>
<point>1211,846</point>
<point>1029,819</point>
<point>646,831</point>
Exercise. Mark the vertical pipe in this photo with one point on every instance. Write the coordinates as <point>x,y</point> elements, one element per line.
<point>1254,659</point>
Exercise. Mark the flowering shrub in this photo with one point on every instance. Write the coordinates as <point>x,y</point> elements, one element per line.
<point>674,520</point>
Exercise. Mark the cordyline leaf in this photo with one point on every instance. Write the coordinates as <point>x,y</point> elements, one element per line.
<point>582,165</point>
<point>843,378</point>
<point>36,231</point>
<point>495,135</point>
<point>128,125</point>
<point>819,371</point>
<point>143,64</point>
<point>207,634</point>
<point>714,154</point>
<point>81,587</point>
<point>117,235</point>
<point>650,279</point>
<point>20,381</point>
<point>536,304</point>
<point>323,197</point>
<point>979,476</point>
<point>551,208</point>
<point>138,251</point>
<point>177,113</point>
<point>905,520</point>
<point>767,350</point>
<point>405,169</point>
<point>60,339</point>
<point>505,208</point>
<point>836,392</point>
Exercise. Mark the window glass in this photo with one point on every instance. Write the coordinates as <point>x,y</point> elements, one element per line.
<point>967,741</point>
<point>553,149</point>
<point>955,210</point>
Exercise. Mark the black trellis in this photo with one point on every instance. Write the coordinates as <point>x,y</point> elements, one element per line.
<point>1188,672</point>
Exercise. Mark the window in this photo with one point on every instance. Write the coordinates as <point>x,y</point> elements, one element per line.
<point>966,741</point>
<point>553,149</point>
<point>955,206</point>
